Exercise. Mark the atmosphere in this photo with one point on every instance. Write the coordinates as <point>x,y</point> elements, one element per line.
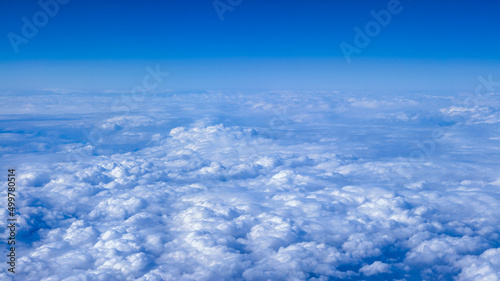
<point>249,140</point>
<point>316,44</point>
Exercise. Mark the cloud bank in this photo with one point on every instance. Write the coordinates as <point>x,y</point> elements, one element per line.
<point>275,186</point>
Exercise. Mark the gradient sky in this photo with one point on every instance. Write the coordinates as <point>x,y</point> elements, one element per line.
<point>259,45</point>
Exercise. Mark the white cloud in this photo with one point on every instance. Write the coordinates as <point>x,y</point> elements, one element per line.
<point>375,268</point>
<point>211,190</point>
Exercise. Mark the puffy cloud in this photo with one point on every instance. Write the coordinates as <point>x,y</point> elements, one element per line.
<point>375,268</point>
<point>482,267</point>
<point>265,187</point>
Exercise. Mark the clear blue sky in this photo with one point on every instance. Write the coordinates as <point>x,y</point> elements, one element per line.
<point>290,45</point>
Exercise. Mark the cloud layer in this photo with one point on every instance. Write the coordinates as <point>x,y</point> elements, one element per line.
<point>275,186</point>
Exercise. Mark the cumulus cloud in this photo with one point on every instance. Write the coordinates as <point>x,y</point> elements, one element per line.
<point>375,268</point>
<point>472,115</point>
<point>213,189</point>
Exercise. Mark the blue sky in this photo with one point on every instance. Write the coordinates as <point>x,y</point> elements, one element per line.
<point>259,45</point>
